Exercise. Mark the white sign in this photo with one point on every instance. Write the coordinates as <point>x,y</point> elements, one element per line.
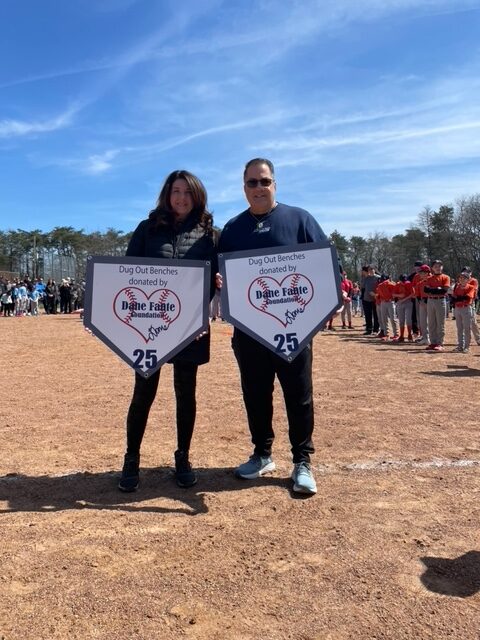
<point>281,296</point>
<point>144,309</point>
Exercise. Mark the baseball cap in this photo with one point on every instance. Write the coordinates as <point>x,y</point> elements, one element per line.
<point>424,267</point>
<point>417,263</point>
<point>437,262</point>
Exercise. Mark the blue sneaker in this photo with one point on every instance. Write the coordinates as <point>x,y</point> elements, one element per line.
<point>303,480</point>
<point>255,467</point>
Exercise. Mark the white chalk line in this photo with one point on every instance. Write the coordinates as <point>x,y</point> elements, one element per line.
<point>397,465</point>
<point>323,469</point>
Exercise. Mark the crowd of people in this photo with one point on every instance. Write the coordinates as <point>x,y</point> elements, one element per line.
<point>414,308</point>
<point>25,297</point>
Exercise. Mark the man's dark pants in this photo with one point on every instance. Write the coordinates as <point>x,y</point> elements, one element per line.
<point>371,318</point>
<point>258,367</point>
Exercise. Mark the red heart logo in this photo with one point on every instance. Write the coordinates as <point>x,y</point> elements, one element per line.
<point>282,300</point>
<point>148,315</point>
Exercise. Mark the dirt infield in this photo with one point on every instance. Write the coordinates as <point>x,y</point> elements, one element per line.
<point>388,548</point>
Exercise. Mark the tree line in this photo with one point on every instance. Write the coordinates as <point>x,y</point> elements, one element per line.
<point>64,250</point>
<point>450,234</point>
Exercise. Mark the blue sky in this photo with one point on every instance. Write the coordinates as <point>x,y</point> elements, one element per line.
<point>369,109</point>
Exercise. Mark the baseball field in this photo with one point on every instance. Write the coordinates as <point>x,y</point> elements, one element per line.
<point>388,548</point>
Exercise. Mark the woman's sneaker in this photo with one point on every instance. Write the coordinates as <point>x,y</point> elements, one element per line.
<point>255,467</point>
<point>130,473</point>
<point>184,474</point>
<point>303,480</point>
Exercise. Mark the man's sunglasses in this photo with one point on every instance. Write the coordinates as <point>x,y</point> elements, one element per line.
<point>263,182</point>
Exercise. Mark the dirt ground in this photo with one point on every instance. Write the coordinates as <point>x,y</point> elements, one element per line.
<point>388,548</point>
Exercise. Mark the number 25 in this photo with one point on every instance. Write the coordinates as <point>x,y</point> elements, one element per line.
<point>150,356</point>
<point>289,341</point>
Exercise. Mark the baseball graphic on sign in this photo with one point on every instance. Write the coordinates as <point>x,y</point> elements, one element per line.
<point>146,310</point>
<point>283,300</point>
<point>281,296</point>
<point>148,315</point>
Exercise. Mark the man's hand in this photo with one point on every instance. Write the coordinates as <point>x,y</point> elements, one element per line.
<point>218,281</point>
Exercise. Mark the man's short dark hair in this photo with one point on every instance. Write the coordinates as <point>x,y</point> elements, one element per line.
<point>269,164</point>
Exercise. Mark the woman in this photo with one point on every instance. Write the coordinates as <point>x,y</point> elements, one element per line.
<point>179,227</point>
<point>50,296</point>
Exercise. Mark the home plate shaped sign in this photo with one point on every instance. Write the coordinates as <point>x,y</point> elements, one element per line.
<point>145,309</point>
<point>281,296</point>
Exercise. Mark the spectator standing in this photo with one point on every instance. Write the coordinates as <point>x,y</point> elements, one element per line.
<point>40,287</point>
<point>7,303</point>
<point>50,296</point>
<point>370,284</point>
<point>21,300</point>
<point>357,309</point>
<point>34,297</point>
<point>65,296</point>
<point>215,306</point>
<point>74,293</point>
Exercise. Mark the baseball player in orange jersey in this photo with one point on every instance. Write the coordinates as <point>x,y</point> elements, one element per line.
<point>346,313</point>
<point>421,299</point>
<point>462,295</point>
<point>474,326</point>
<point>386,307</point>
<point>403,294</point>
<point>436,288</point>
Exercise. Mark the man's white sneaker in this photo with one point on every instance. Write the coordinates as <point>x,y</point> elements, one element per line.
<point>255,467</point>
<point>303,480</point>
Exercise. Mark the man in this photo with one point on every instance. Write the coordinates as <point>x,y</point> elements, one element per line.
<point>267,223</point>
<point>370,284</point>
<point>436,287</point>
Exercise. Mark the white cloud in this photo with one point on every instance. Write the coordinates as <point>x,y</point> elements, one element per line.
<point>17,128</point>
<point>97,164</point>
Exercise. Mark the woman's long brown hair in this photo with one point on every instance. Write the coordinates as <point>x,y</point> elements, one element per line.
<point>162,215</point>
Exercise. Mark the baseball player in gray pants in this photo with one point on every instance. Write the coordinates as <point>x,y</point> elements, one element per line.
<point>436,287</point>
